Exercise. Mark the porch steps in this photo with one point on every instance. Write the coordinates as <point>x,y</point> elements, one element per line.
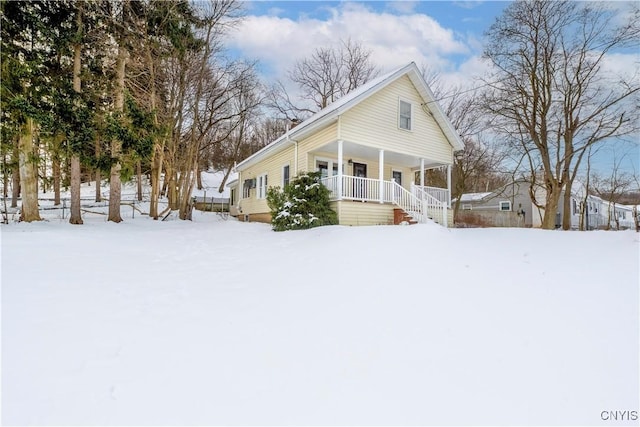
<point>401,216</point>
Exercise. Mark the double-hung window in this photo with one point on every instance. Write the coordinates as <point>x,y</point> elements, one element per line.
<point>262,186</point>
<point>404,115</point>
<point>246,188</point>
<point>505,206</point>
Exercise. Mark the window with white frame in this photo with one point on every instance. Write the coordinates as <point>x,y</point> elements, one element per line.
<point>247,186</point>
<point>262,186</point>
<point>505,206</point>
<point>285,175</point>
<point>327,167</point>
<point>467,207</point>
<point>404,115</point>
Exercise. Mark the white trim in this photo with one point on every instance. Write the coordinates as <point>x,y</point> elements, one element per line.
<point>340,162</point>
<point>449,185</point>
<point>381,174</point>
<point>261,186</point>
<point>295,158</point>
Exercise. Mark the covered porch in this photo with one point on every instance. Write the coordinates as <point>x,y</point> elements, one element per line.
<point>371,174</point>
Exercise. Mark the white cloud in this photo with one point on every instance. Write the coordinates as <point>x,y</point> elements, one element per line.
<point>625,66</point>
<point>395,40</point>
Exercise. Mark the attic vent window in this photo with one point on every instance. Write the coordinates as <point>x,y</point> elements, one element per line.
<point>404,117</point>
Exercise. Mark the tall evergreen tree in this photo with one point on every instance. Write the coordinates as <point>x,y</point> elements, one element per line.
<point>24,82</point>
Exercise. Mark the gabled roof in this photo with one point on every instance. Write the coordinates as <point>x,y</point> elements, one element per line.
<point>336,108</point>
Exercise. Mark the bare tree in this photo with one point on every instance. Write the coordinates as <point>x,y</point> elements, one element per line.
<point>478,166</point>
<point>322,78</point>
<point>612,188</point>
<point>549,91</point>
<point>227,140</point>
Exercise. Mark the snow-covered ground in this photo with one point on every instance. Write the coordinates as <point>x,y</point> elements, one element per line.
<point>220,322</point>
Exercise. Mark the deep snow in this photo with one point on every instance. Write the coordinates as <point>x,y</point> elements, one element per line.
<point>220,322</point>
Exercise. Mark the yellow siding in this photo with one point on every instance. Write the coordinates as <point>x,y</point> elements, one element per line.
<point>360,213</point>
<point>374,122</point>
<point>272,166</point>
<point>323,137</point>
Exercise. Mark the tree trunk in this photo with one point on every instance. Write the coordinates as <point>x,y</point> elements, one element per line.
<point>75,217</point>
<point>115,187</point>
<point>15,176</point>
<point>139,178</point>
<point>28,174</point>
<point>551,208</point>
<point>165,184</point>
<point>566,207</point>
<point>198,176</point>
<point>156,172</point>
<point>42,162</point>
<point>5,179</point>
<point>98,179</point>
<point>158,146</point>
<point>186,190</point>
<point>97,172</point>
<point>172,191</point>
<point>56,179</point>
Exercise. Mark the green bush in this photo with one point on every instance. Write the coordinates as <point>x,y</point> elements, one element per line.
<point>302,204</point>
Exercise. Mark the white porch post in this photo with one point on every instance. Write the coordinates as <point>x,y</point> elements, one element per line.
<point>381,175</point>
<point>449,185</point>
<point>421,172</point>
<point>339,183</point>
<point>295,158</point>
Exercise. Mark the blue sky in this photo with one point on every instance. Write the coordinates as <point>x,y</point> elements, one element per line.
<point>445,36</point>
<point>473,16</point>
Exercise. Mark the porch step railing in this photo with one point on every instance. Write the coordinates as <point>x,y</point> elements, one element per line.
<point>432,206</point>
<point>408,202</point>
<point>442,194</point>
<point>420,203</point>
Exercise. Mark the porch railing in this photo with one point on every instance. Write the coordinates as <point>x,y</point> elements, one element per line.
<point>419,203</point>
<point>441,194</point>
<point>433,207</point>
